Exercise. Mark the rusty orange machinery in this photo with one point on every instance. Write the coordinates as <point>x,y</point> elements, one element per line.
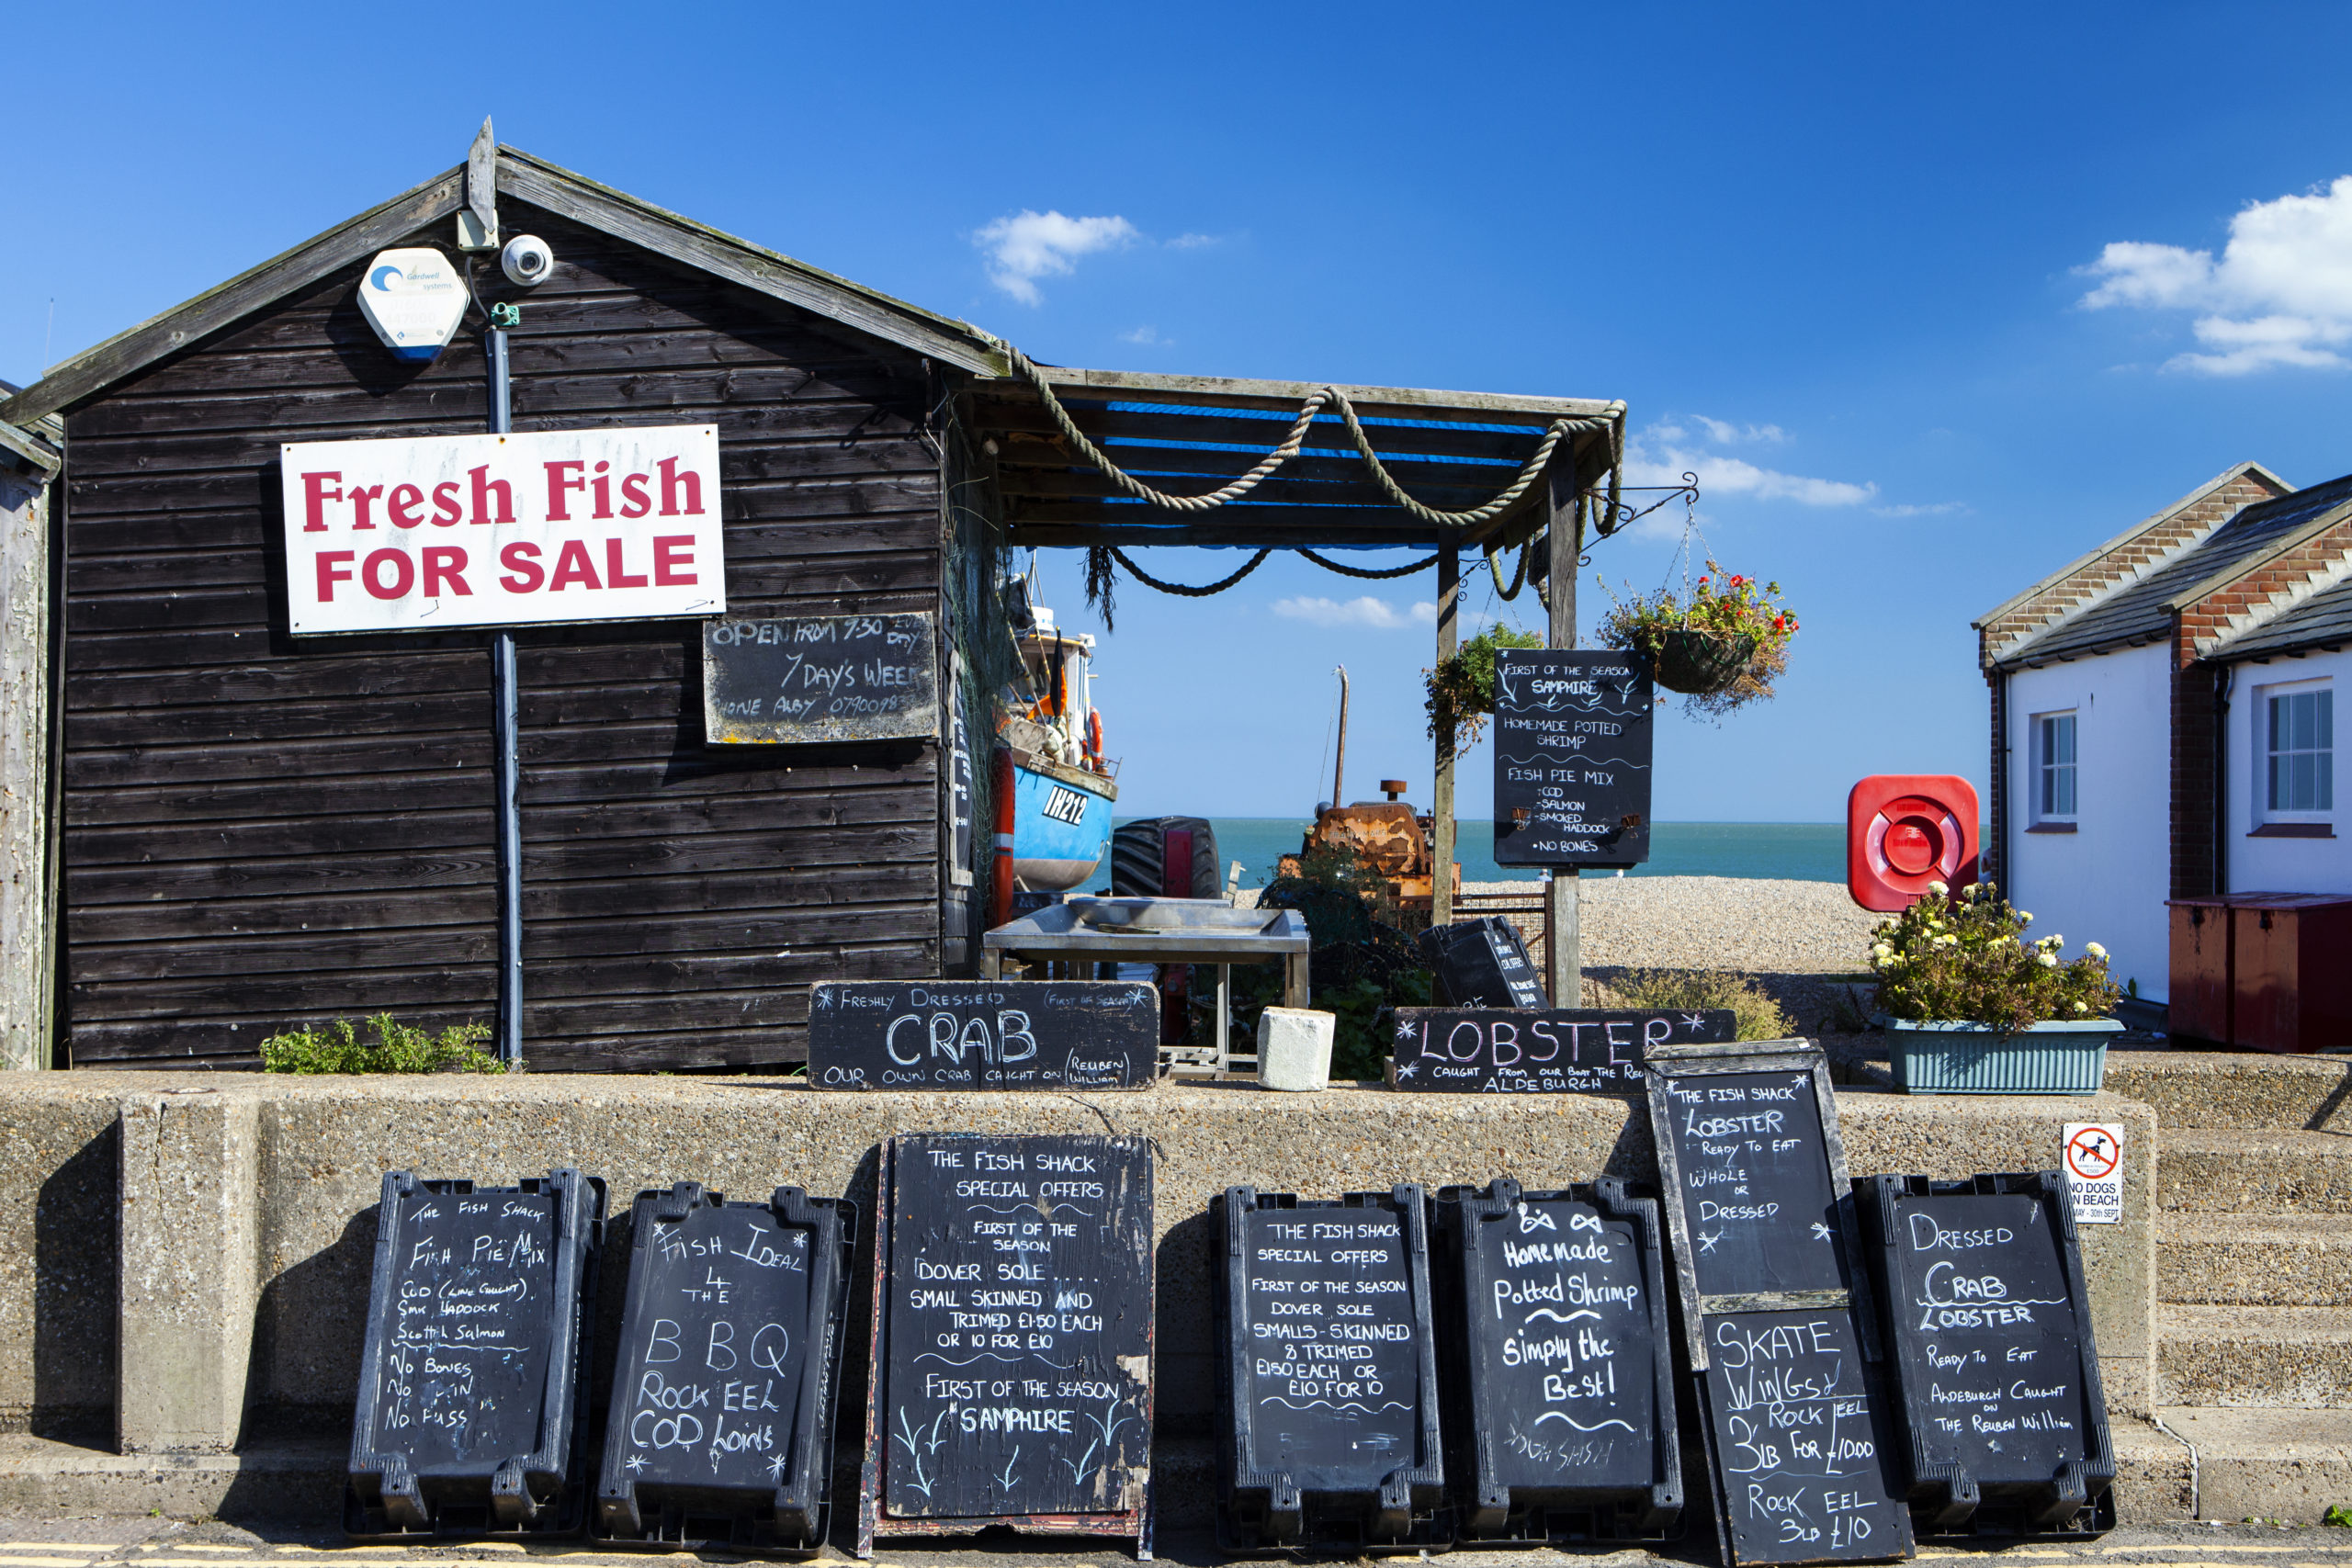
<point>1388,835</point>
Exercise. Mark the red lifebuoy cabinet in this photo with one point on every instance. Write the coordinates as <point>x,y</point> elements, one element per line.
<point>1905,830</point>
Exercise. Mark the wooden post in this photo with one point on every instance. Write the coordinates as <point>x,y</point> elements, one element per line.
<point>25,877</point>
<point>1449,642</point>
<point>1563,952</point>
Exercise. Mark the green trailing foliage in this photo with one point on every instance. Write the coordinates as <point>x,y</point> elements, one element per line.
<point>1966,959</point>
<point>1464,685</point>
<point>1361,966</point>
<point>1757,1016</point>
<point>397,1048</point>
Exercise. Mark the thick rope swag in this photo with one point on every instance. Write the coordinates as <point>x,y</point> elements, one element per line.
<point>1202,593</point>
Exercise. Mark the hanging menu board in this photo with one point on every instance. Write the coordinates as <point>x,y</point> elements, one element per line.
<point>469,1371</point>
<point>1556,1051</point>
<point>723,1384</point>
<point>819,678</point>
<point>1330,1371</point>
<point>994,1034</point>
<point>1994,1352</point>
<point>1775,1305</point>
<point>1566,1368</point>
<point>1012,1337</point>
<point>1572,757</point>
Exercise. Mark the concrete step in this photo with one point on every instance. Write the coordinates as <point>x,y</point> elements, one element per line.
<point>2254,1357</point>
<point>2250,1091</point>
<point>2254,1260</point>
<point>2210,1170</point>
<point>2267,1464</point>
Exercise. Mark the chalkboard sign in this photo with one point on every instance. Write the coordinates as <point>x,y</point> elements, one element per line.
<point>1483,963</point>
<point>819,678</point>
<point>1012,1339</point>
<point>719,1432</point>
<point>1776,1304</point>
<point>1329,1385</point>
<point>1798,1438</point>
<point>469,1378</point>
<point>1556,1051</point>
<point>1561,1372</point>
<point>972,1034</point>
<point>959,788</point>
<point>1993,1350</point>
<point>1572,757</point>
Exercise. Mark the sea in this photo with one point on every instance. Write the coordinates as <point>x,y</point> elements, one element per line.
<point>1798,851</point>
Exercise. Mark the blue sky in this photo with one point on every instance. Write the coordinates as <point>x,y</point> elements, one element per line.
<point>1853,263</point>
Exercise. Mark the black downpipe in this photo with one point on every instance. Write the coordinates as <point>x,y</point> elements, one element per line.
<point>2007,786</point>
<point>2224,678</point>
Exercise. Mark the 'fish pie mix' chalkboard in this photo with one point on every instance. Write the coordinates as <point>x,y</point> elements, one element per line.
<point>1329,1392</point>
<point>1993,1350</point>
<point>1012,1337</point>
<point>983,1034</point>
<point>469,1381</point>
<point>1556,1051</point>
<point>1561,1372</point>
<point>1572,757</point>
<point>720,1431</point>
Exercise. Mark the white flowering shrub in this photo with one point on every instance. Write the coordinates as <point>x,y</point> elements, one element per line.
<point>1966,959</point>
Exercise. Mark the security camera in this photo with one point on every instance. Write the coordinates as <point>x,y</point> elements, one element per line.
<point>527,260</point>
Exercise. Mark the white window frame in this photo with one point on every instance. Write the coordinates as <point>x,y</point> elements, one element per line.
<point>2040,765</point>
<point>2261,752</point>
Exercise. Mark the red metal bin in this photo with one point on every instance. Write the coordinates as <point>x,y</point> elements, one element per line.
<point>2272,971</point>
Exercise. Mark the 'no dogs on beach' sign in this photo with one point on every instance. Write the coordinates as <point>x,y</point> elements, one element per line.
<point>2092,1153</point>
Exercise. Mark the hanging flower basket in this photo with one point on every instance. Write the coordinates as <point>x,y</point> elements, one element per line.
<point>1699,663</point>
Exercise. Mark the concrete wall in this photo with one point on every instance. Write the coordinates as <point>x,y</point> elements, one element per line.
<point>2107,880</point>
<point>2282,865</point>
<point>248,1204</point>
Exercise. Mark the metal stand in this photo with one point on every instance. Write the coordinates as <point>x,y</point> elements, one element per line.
<point>507,716</point>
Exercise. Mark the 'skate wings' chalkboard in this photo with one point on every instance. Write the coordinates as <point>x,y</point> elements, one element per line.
<point>1557,1050</point>
<point>991,1034</point>
<point>1572,757</point>
<point>1564,1367</point>
<point>1994,1353</point>
<point>468,1381</point>
<point>1012,1337</point>
<point>821,678</point>
<point>723,1384</point>
<point>1330,1375</point>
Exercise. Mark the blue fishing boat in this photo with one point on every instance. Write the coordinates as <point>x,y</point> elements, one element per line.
<point>1063,786</point>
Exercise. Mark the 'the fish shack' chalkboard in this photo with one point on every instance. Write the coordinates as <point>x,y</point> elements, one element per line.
<point>1556,1051</point>
<point>720,1429</point>
<point>1560,1372</point>
<point>470,1381</point>
<point>1994,1353</point>
<point>997,1034</point>
<point>1572,757</point>
<point>1776,1304</point>
<point>1328,1393</point>
<point>819,678</point>
<point>1012,1339</point>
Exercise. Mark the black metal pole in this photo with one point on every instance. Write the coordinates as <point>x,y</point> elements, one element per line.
<point>508,720</point>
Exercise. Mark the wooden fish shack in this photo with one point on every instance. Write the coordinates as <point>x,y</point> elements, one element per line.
<point>267,816</point>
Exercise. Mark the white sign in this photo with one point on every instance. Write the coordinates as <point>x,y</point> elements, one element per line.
<point>2092,1153</point>
<point>414,300</point>
<point>414,535</point>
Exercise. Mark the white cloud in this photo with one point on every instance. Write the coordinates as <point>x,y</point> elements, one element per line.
<point>2280,293</point>
<point>1365,611</point>
<point>1941,509</point>
<point>1191,241</point>
<point>1724,433</point>
<point>1030,245</point>
<point>1147,336</point>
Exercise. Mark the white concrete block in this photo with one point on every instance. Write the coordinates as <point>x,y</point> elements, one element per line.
<point>1294,1048</point>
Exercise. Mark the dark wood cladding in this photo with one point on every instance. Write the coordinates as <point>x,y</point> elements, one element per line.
<point>263,832</point>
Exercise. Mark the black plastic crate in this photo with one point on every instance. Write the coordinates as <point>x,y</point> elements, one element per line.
<point>1558,1372</point>
<point>475,1368</point>
<point>720,1433</point>
<point>1483,964</point>
<point>1327,1400</point>
<point>1984,1292</point>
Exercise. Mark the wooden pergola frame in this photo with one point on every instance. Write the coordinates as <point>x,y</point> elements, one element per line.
<point>1185,434</point>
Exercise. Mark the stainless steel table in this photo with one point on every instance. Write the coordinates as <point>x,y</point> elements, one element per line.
<point>1161,931</point>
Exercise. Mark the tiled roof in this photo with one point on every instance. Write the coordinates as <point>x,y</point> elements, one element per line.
<point>2325,617</point>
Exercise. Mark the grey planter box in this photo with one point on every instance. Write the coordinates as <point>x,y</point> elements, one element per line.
<point>1977,1059</point>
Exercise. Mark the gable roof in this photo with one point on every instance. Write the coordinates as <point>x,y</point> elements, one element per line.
<point>2156,538</point>
<point>543,185</point>
<point>2143,610</point>
<point>2323,620</point>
